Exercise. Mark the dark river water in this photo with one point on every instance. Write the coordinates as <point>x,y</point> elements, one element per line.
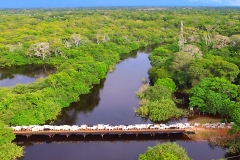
<point>110,102</point>
<point>11,76</point>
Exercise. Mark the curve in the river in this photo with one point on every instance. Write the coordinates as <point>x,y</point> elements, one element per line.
<point>110,102</point>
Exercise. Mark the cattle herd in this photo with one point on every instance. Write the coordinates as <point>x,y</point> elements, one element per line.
<point>84,127</point>
<point>218,125</point>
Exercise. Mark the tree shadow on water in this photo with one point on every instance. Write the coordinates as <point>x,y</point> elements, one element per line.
<point>86,104</point>
<point>32,71</point>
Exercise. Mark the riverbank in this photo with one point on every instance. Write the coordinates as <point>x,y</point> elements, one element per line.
<point>202,133</point>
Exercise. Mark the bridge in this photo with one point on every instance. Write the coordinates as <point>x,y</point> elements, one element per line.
<point>100,129</point>
<point>99,132</point>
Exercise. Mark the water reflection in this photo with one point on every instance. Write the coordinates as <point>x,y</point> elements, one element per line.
<point>10,76</point>
<point>95,148</point>
<point>127,138</point>
<point>110,102</point>
<point>133,54</point>
<point>86,104</point>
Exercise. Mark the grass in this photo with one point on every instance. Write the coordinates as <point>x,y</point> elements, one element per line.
<point>203,119</point>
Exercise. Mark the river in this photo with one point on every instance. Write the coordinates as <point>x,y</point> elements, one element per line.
<point>11,76</point>
<point>110,102</point>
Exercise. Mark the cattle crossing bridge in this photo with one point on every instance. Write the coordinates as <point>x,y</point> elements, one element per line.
<point>101,129</point>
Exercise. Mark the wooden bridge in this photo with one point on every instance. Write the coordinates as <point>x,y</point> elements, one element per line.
<point>84,133</point>
<point>126,138</point>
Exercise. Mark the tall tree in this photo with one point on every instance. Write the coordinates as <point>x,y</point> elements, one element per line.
<point>214,95</point>
<point>181,38</point>
<point>207,35</point>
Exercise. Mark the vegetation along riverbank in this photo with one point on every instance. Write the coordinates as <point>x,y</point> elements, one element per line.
<point>204,63</point>
<point>200,54</point>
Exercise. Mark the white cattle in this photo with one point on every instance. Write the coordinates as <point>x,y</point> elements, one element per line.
<point>130,127</point>
<point>166,127</point>
<point>110,128</point>
<point>57,128</point>
<point>221,127</point>
<point>17,128</point>
<point>35,129</point>
<point>101,127</point>
<point>83,127</point>
<point>161,128</point>
<point>196,124</point>
<point>124,128</point>
<point>75,128</point>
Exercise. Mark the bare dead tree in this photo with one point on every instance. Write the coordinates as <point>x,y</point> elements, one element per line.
<point>181,39</point>
<point>40,49</point>
<point>67,44</point>
<point>76,38</point>
<point>98,37</point>
<point>207,35</point>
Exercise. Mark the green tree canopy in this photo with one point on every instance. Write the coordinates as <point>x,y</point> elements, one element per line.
<point>167,82</point>
<point>165,151</point>
<point>8,150</point>
<point>179,66</point>
<point>213,95</point>
<point>156,73</point>
<point>213,66</point>
<point>163,109</point>
<point>157,92</point>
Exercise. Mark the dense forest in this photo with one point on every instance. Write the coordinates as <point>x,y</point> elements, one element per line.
<point>199,54</point>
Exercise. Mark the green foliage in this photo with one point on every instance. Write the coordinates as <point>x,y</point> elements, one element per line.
<point>235,114</point>
<point>162,56</point>
<point>142,90</point>
<point>181,61</point>
<point>82,62</point>
<point>8,150</point>
<point>157,103</point>
<point>161,51</point>
<point>214,95</point>
<point>165,151</point>
<point>163,109</point>
<point>142,111</point>
<point>179,66</point>
<point>45,98</point>
<point>157,92</point>
<point>212,66</point>
<point>230,54</point>
<point>157,73</point>
<point>167,82</point>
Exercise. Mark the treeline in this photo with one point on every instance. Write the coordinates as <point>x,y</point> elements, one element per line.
<point>84,44</point>
<point>204,62</point>
<point>158,101</point>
